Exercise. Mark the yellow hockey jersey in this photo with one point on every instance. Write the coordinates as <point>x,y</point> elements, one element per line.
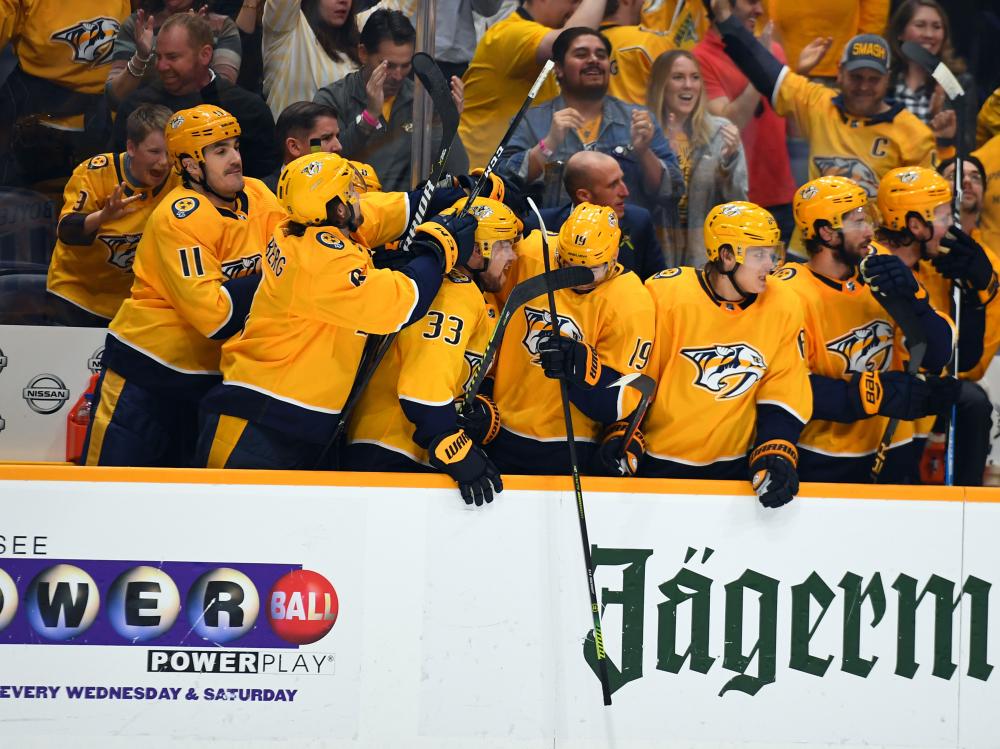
<point>715,361</point>
<point>497,81</point>
<point>989,221</point>
<point>98,276</point>
<point>616,318</point>
<point>430,363</point>
<point>66,43</point>
<point>188,250</point>
<point>685,25</point>
<point>633,50</point>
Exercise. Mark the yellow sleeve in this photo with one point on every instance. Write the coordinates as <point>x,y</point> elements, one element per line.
<point>918,146</point>
<point>188,272</point>
<point>988,121</point>
<point>83,193</point>
<point>991,338</point>
<point>385,214</point>
<point>514,47</point>
<point>626,343</point>
<point>873,15</point>
<point>804,101</point>
<point>786,383</point>
<point>662,341</point>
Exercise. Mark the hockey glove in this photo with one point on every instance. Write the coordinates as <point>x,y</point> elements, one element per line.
<point>897,395</point>
<point>494,187</point>
<point>455,453</point>
<point>613,458</point>
<point>451,238</point>
<point>944,393</point>
<point>965,260</point>
<point>481,420</point>
<point>772,472</point>
<point>516,193</point>
<point>889,276</point>
<point>567,359</point>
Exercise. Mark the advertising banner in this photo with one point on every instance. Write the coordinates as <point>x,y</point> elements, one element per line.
<point>288,610</point>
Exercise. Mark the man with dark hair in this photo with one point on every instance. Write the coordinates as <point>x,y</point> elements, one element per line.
<point>375,104</point>
<point>183,57</point>
<point>585,118</point>
<point>301,128</point>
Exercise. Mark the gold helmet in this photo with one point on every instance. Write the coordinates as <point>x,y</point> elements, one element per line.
<point>907,189</point>
<point>365,178</point>
<point>495,222</point>
<point>309,183</point>
<point>740,225</point>
<point>826,199</point>
<point>590,236</point>
<point>190,131</point>
<point>494,187</point>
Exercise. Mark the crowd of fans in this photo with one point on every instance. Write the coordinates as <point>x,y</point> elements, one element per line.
<point>658,109</point>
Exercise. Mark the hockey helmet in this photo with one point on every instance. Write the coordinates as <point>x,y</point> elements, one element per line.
<point>495,222</point>
<point>308,184</point>
<point>590,236</point>
<point>911,189</point>
<point>365,178</point>
<point>190,131</point>
<point>826,199</point>
<point>740,225</point>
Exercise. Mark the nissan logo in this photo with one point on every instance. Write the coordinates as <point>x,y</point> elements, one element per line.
<point>45,394</point>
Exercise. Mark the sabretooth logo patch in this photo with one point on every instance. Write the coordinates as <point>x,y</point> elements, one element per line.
<point>45,394</point>
<point>238,662</point>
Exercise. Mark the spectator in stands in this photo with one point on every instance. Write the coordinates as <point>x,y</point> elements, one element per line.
<point>132,57</point>
<point>708,148</point>
<point>508,60</point>
<point>184,56</point>
<point>304,127</point>
<point>248,22</point>
<point>455,32</point>
<point>584,118</point>
<point>731,95</point>
<point>684,22</point>
<point>633,49</point>
<point>375,104</point>
<point>926,23</point>
<point>311,43</point>
<point>989,157</point>
<point>988,121</point>
<point>63,51</point>
<point>108,201</point>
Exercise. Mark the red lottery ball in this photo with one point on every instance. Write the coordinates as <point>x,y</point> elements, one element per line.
<point>302,607</point>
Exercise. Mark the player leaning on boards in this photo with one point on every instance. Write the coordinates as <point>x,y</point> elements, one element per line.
<point>729,359</point>
<point>287,376</point>
<point>854,359</point>
<point>606,331</point>
<point>406,419</point>
<point>196,268</point>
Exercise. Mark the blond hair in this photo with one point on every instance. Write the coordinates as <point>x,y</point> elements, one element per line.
<point>698,125</point>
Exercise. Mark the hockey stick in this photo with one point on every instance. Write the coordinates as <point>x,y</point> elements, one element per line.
<point>602,659</point>
<point>943,76</point>
<point>376,347</point>
<point>524,292</point>
<point>646,387</point>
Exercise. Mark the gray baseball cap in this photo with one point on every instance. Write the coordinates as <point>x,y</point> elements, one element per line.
<point>866,51</point>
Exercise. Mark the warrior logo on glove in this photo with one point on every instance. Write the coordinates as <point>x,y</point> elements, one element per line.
<point>540,320</point>
<point>729,371</point>
<point>865,349</point>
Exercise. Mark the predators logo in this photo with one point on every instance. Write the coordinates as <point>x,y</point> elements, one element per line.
<point>537,320</point>
<point>121,249</point>
<point>865,349</point>
<point>90,40</point>
<point>729,370</point>
<point>245,266</point>
<point>843,166</point>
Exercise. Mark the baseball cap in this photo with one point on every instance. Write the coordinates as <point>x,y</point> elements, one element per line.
<point>866,51</point>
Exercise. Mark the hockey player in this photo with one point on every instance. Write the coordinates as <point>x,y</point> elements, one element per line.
<point>286,378</point>
<point>605,331</point>
<point>196,269</point>
<point>406,419</point>
<point>107,202</point>
<point>854,362</point>
<point>729,362</point>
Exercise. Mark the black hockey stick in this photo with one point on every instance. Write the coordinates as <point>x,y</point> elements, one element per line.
<point>524,292</point>
<point>646,386</point>
<point>943,76</point>
<point>602,658</point>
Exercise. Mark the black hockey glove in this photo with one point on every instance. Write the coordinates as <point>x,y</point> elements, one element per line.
<point>494,187</point>
<point>889,276</point>
<point>481,420</point>
<point>772,472</point>
<point>457,455</point>
<point>897,395</point>
<point>966,261</point>
<point>611,459</point>
<point>516,193</point>
<point>567,359</point>
<point>944,393</point>
<point>451,237</point>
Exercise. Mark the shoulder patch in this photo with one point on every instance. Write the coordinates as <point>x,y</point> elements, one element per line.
<point>328,239</point>
<point>786,273</point>
<point>668,273</point>
<point>458,277</point>
<point>184,207</point>
<point>98,162</point>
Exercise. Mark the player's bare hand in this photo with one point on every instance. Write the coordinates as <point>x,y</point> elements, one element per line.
<point>642,130</point>
<point>118,205</point>
<point>458,93</point>
<point>373,89</point>
<point>730,135</point>
<point>812,53</point>
<point>562,122</point>
<point>721,10</point>
<point>944,124</point>
<point>144,34</point>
